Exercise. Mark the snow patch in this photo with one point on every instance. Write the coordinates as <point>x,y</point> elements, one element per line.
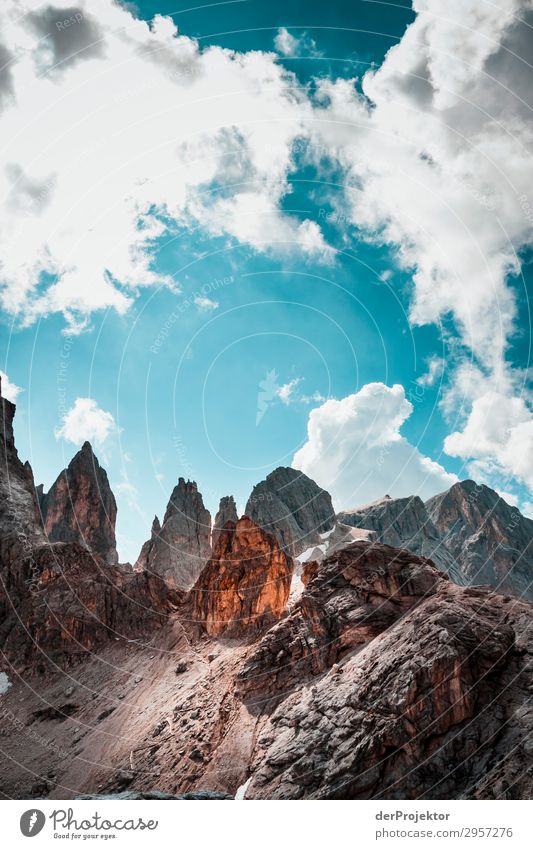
<point>241,792</point>
<point>5,683</point>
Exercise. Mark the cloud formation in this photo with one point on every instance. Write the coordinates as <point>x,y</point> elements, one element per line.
<point>10,390</point>
<point>86,421</point>
<point>140,126</point>
<point>355,450</point>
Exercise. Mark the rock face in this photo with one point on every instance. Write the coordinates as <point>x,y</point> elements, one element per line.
<point>60,600</point>
<point>405,523</point>
<point>469,531</point>
<point>80,507</point>
<point>245,586</point>
<point>75,603</point>
<point>179,548</point>
<point>419,686</point>
<point>492,541</point>
<point>293,507</point>
<point>227,512</point>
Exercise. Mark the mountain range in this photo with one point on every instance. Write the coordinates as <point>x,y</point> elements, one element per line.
<point>294,652</point>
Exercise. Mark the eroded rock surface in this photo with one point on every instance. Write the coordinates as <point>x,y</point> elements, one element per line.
<point>179,549</point>
<point>293,507</point>
<point>490,540</point>
<point>245,586</point>
<point>80,507</point>
<point>227,512</point>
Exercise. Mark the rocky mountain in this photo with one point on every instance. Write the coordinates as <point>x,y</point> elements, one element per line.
<point>405,523</point>
<point>80,507</point>
<point>179,549</point>
<point>227,512</point>
<point>292,507</point>
<point>385,680</point>
<point>469,531</point>
<point>246,583</point>
<point>492,541</point>
<point>380,679</point>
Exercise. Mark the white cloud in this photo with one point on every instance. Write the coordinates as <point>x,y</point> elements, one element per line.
<point>206,304</point>
<point>437,153</point>
<point>355,450</point>
<point>10,390</point>
<point>497,438</point>
<point>289,45</point>
<point>115,129</point>
<point>435,370</point>
<point>286,392</point>
<point>86,421</point>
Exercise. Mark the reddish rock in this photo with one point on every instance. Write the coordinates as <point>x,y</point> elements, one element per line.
<point>75,603</point>
<point>80,507</point>
<point>246,584</point>
<point>349,598</point>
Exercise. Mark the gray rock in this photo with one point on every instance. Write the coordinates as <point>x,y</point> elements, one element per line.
<point>80,507</point>
<point>293,507</point>
<point>227,512</point>
<point>180,547</point>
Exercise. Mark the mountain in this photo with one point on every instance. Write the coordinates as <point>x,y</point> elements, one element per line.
<point>385,680</point>
<point>469,531</point>
<point>379,678</point>
<point>80,507</point>
<point>60,597</point>
<point>292,507</point>
<point>227,512</point>
<point>246,583</point>
<point>405,523</point>
<point>179,548</point>
<point>492,541</point>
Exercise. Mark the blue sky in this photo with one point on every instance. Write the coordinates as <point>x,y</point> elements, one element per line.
<point>307,272</point>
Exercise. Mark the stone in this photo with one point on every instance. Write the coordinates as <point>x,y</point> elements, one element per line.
<point>80,507</point>
<point>227,512</point>
<point>179,548</point>
<point>293,507</point>
<point>246,584</point>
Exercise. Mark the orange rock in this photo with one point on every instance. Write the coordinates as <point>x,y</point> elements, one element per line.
<point>246,583</point>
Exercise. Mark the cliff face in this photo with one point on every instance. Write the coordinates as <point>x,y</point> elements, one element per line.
<point>246,584</point>
<point>416,711</point>
<point>492,541</point>
<point>179,548</point>
<point>405,523</point>
<point>469,531</point>
<point>80,507</point>
<point>227,512</point>
<point>61,596</point>
<point>294,508</point>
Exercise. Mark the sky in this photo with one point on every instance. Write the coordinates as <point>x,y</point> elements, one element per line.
<point>245,235</point>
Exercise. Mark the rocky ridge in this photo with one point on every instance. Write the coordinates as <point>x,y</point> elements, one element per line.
<point>179,548</point>
<point>382,679</point>
<point>293,507</point>
<point>80,507</point>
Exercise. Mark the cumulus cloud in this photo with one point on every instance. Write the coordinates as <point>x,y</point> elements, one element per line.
<point>86,421</point>
<point>497,438</point>
<point>289,45</point>
<point>140,124</point>
<point>436,146</point>
<point>10,390</point>
<point>355,450</point>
